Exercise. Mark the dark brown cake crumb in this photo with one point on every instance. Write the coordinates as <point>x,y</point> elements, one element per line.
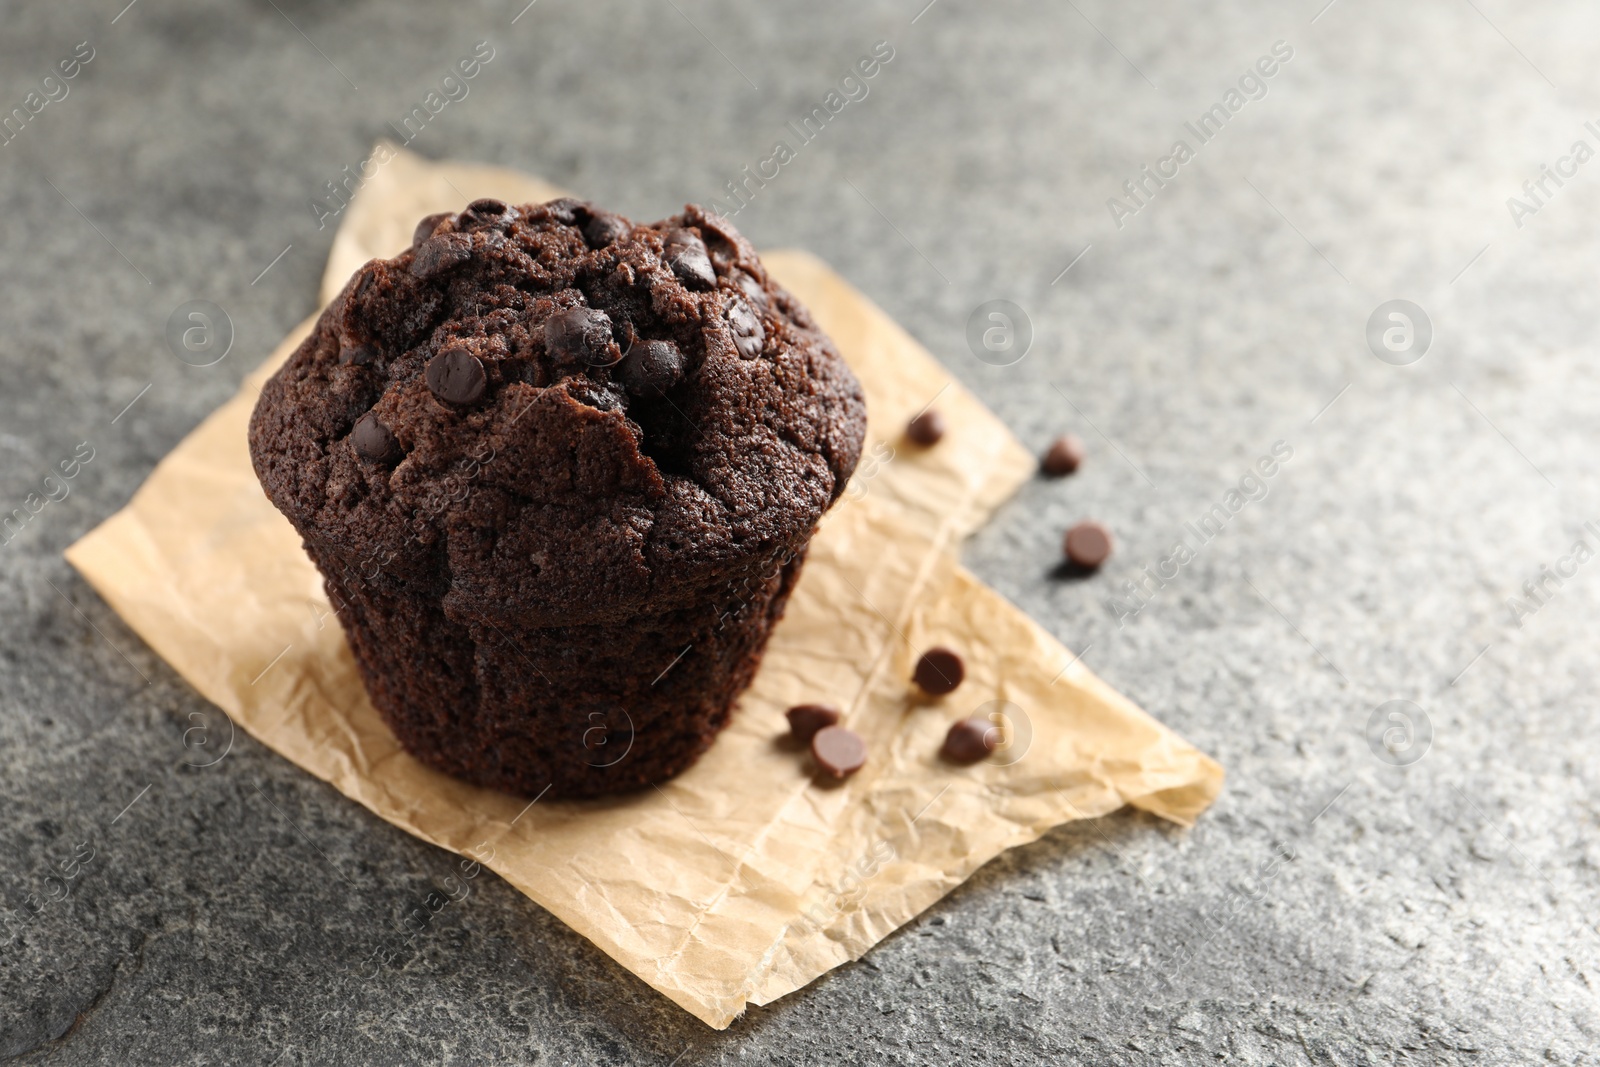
<point>559,469</point>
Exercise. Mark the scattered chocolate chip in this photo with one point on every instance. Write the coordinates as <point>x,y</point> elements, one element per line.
<point>603,229</point>
<point>838,750</point>
<point>806,719</point>
<point>580,335</point>
<point>373,441</point>
<point>970,740</point>
<point>359,354</point>
<point>457,376</point>
<point>486,212</point>
<point>1064,457</point>
<point>926,429</point>
<point>439,254</point>
<point>686,255</point>
<point>1088,544</point>
<point>939,671</point>
<point>748,333</point>
<point>426,227</point>
<point>652,367</point>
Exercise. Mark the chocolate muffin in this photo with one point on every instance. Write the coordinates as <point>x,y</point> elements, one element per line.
<point>559,471</point>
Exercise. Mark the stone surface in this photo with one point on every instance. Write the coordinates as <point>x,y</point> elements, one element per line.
<point>1333,908</point>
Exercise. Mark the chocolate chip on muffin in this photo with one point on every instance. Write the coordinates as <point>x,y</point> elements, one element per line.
<point>652,367</point>
<point>580,335</point>
<point>752,290</point>
<point>687,256</point>
<point>373,441</point>
<point>456,375</point>
<point>440,254</point>
<point>426,227</point>
<point>487,213</point>
<point>604,228</point>
<point>748,333</point>
<point>596,473</point>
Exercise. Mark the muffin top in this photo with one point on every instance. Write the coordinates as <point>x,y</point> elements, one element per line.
<point>555,414</point>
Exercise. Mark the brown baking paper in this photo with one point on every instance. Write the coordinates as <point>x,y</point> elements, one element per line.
<point>742,879</point>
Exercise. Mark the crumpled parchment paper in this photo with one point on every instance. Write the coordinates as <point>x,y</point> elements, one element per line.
<point>741,880</point>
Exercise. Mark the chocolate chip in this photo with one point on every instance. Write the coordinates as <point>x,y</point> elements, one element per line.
<point>652,367</point>
<point>594,394</point>
<point>373,441</point>
<point>603,229</point>
<point>1066,453</point>
<point>748,333</point>
<point>686,255</point>
<point>752,289</point>
<point>838,750</point>
<point>1088,544</point>
<point>580,335</point>
<point>939,671</point>
<point>426,227</point>
<point>457,376</point>
<point>439,254</point>
<point>806,719</point>
<point>486,212</point>
<point>970,740</point>
<point>926,429</point>
<point>567,210</point>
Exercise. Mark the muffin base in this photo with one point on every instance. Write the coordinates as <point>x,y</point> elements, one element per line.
<point>563,712</point>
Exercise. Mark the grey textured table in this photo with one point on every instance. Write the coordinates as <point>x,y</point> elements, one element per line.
<point>1380,883</point>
